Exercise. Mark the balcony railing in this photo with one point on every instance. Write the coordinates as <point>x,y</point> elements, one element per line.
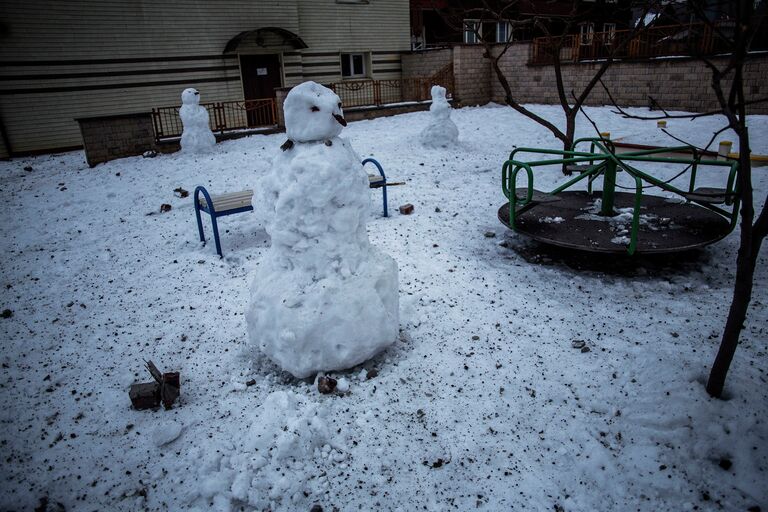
<point>673,40</point>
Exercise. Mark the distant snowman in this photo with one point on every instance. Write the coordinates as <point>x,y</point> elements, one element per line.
<point>196,136</point>
<point>322,298</point>
<point>441,131</point>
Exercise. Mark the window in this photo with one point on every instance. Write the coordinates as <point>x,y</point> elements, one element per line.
<point>503,32</point>
<point>353,65</point>
<point>609,32</point>
<point>471,31</point>
<point>489,31</point>
<point>586,32</point>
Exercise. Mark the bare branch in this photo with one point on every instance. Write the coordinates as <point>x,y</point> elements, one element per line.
<point>706,147</point>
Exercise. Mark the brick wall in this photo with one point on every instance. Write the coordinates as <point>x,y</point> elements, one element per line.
<point>675,83</point>
<point>425,63</point>
<point>110,137</point>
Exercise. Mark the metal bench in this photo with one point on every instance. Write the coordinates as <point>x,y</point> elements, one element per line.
<point>219,206</point>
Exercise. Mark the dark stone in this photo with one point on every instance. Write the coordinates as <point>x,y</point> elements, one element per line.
<point>725,464</point>
<point>326,385</point>
<point>7,313</point>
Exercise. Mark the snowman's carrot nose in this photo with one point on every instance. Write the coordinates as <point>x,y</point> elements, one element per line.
<point>340,119</point>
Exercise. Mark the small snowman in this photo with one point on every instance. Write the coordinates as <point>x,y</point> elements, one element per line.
<point>441,131</point>
<point>197,136</point>
<point>322,298</point>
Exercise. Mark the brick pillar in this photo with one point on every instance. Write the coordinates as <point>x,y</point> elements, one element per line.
<point>472,75</point>
<point>280,95</point>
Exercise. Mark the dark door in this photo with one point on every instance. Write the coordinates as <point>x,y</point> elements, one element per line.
<point>261,76</point>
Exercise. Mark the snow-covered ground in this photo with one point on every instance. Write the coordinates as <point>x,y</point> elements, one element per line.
<point>483,403</point>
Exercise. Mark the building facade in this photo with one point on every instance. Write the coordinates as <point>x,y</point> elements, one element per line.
<point>60,61</point>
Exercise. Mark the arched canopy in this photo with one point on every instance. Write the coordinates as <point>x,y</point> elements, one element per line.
<point>260,36</point>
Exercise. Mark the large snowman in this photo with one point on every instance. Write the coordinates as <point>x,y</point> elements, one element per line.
<point>196,136</point>
<point>441,131</point>
<point>322,298</point>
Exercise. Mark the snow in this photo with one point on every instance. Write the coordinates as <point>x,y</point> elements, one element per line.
<point>196,136</point>
<point>482,402</point>
<point>312,112</point>
<point>322,298</point>
<point>441,131</point>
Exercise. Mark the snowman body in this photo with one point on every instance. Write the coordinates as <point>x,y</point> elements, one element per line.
<point>322,298</point>
<point>196,136</point>
<point>441,130</point>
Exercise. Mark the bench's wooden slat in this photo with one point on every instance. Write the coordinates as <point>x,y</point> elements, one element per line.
<point>232,203</point>
<point>375,178</point>
<point>229,201</point>
<point>230,195</point>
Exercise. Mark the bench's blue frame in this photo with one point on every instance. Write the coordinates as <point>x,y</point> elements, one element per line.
<point>208,208</point>
<point>380,184</point>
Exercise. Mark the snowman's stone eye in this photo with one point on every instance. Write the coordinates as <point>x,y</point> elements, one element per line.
<point>339,104</point>
<point>315,108</point>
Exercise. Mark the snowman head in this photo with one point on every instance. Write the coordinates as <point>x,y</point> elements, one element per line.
<point>312,112</point>
<point>190,97</point>
<point>438,93</point>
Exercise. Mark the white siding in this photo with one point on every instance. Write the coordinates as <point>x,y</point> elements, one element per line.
<point>97,29</point>
<point>82,58</point>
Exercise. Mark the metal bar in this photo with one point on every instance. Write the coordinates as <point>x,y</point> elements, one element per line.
<point>635,217</point>
<point>609,189</point>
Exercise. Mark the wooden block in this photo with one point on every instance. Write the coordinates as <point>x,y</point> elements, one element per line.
<point>406,209</point>
<point>145,396</point>
<point>170,389</point>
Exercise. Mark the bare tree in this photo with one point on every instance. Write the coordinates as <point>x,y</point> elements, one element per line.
<point>557,33</point>
<point>728,88</point>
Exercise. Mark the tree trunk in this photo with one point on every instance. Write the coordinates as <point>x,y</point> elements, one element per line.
<point>745,271</point>
<point>737,315</point>
<point>570,133</point>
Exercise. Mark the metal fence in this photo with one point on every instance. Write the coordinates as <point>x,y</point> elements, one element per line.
<point>236,115</point>
<point>362,93</point>
<point>672,40</point>
<point>223,116</point>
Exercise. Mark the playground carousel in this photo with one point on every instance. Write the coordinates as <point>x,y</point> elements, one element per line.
<point>637,210</point>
